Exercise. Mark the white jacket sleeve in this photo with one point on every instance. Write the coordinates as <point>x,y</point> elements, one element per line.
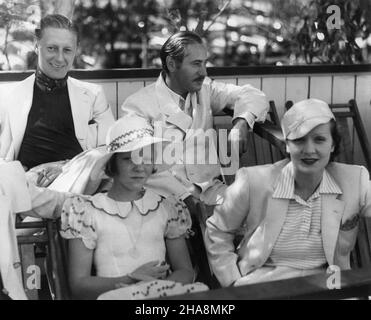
<point>247,102</point>
<point>221,228</point>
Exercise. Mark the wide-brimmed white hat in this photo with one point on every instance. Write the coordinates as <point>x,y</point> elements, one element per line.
<point>129,133</point>
<point>85,171</point>
<point>304,116</point>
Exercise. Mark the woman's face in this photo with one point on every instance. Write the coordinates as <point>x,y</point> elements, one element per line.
<point>131,175</point>
<point>311,153</point>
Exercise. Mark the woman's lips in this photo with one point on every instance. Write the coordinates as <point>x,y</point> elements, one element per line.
<point>309,161</point>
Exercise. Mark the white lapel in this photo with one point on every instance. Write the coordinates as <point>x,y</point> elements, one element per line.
<point>164,99</point>
<point>19,109</point>
<point>332,213</point>
<point>81,102</point>
<point>169,108</point>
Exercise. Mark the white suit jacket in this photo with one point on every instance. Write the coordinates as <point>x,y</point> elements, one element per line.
<point>155,102</point>
<point>250,198</point>
<point>16,197</point>
<point>88,103</point>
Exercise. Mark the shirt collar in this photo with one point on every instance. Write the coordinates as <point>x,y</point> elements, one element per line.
<point>178,99</point>
<point>286,184</point>
<point>148,203</point>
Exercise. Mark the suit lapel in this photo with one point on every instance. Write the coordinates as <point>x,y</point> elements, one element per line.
<point>173,113</point>
<point>80,106</point>
<point>165,101</point>
<point>19,110</point>
<point>332,212</point>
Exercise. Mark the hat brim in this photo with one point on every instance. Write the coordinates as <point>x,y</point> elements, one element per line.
<point>101,161</point>
<point>307,126</point>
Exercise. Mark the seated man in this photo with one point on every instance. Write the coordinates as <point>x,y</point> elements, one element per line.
<point>49,116</point>
<point>17,197</point>
<point>181,104</point>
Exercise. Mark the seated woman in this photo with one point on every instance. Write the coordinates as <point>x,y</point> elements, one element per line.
<point>299,215</point>
<point>127,233</point>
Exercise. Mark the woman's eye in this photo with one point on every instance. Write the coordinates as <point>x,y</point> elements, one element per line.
<point>298,141</point>
<point>320,139</point>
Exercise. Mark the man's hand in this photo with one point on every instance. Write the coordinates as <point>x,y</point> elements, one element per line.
<point>239,134</point>
<point>48,175</point>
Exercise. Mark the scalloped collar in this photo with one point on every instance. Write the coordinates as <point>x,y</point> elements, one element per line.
<point>149,202</point>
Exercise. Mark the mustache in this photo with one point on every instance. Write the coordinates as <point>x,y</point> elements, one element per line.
<point>199,79</point>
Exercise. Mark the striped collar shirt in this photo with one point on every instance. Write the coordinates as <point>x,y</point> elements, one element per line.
<point>299,244</point>
<point>285,188</point>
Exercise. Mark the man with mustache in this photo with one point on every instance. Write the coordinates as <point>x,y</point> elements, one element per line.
<point>182,102</point>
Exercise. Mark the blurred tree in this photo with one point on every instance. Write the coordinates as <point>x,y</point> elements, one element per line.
<point>65,7</point>
<point>319,43</point>
<point>12,14</point>
<point>107,30</point>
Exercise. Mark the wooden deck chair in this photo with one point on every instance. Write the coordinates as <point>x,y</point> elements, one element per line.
<point>32,249</point>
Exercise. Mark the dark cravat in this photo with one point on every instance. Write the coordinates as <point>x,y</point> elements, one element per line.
<point>46,83</point>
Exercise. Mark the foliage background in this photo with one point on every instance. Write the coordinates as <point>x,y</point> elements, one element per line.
<point>129,33</point>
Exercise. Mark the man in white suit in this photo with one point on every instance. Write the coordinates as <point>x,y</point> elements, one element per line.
<point>49,116</point>
<point>182,99</point>
<point>18,197</point>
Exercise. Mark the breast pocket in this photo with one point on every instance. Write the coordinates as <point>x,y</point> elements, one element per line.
<point>348,234</point>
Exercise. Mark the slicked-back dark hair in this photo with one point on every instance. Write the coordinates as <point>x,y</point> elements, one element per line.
<point>56,21</point>
<point>175,46</point>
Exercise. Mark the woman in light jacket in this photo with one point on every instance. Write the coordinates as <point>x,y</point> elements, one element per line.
<point>299,215</point>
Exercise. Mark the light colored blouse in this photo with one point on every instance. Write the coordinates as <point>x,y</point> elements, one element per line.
<point>123,235</point>
<point>299,244</point>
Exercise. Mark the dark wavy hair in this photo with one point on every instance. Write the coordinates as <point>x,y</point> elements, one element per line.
<point>336,137</point>
<point>56,21</point>
<point>175,46</point>
<point>111,166</point>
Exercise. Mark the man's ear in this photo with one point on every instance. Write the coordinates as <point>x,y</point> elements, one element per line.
<point>171,64</point>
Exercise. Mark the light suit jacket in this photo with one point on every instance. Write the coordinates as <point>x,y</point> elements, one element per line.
<point>16,197</point>
<point>91,114</point>
<point>250,198</point>
<point>156,103</point>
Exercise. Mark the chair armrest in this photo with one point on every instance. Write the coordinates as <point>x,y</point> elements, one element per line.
<point>272,133</point>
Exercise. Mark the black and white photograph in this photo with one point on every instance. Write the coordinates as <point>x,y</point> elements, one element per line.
<point>183,156</point>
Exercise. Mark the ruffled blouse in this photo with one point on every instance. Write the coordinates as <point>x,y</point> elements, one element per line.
<point>123,235</point>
